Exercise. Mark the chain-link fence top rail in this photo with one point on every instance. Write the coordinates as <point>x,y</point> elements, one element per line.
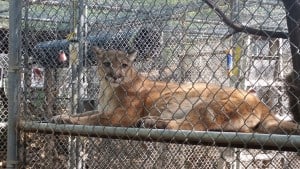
<point>182,42</point>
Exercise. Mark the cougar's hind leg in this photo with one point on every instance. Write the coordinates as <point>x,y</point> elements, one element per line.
<point>272,125</point>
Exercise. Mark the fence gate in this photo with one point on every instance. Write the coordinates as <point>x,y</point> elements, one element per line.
<point>53,71</point>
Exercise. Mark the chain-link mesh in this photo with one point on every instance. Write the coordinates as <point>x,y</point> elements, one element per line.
<point>3,87</point>
<point>177,42</point>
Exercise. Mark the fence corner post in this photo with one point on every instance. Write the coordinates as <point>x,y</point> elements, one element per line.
<point>15,15</point>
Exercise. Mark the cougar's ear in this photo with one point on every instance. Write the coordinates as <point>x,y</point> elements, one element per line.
<point>252,91</point>
<point>97,51</point>
<point>132,55</point>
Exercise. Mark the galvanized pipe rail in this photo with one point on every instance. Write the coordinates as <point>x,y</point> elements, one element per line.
<point>212,138</point>
<point>15,11</point>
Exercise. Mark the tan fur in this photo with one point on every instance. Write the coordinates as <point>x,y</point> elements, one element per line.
<point>129,99</point>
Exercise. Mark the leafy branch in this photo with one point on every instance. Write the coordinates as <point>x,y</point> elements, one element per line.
<point>242,28</point>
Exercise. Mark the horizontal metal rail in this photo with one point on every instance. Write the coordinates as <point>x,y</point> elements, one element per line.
<point>224,139</point>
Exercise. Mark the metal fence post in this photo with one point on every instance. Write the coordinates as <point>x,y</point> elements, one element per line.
<point>15,12</point>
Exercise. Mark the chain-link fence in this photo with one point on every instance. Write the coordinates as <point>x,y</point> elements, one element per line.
<point>3,104</point>
<point>3,91</point>
<point>167,112</point>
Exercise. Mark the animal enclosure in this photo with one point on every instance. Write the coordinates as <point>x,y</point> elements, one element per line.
<point>53,71</point>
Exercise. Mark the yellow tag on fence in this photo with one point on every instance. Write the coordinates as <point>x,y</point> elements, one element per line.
<point>73,48</point>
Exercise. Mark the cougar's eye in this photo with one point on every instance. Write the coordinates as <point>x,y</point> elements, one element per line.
<point>124,65</point>
<point>106,64</point>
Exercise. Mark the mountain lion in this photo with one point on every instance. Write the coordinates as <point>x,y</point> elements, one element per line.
<point>129,99</point>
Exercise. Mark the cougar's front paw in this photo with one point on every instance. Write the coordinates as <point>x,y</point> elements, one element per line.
<point>61,119</point>
<point>152,122</point>
<point>146,122</point>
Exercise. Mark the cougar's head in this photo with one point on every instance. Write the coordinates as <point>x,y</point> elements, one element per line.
<point>115,66</point>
